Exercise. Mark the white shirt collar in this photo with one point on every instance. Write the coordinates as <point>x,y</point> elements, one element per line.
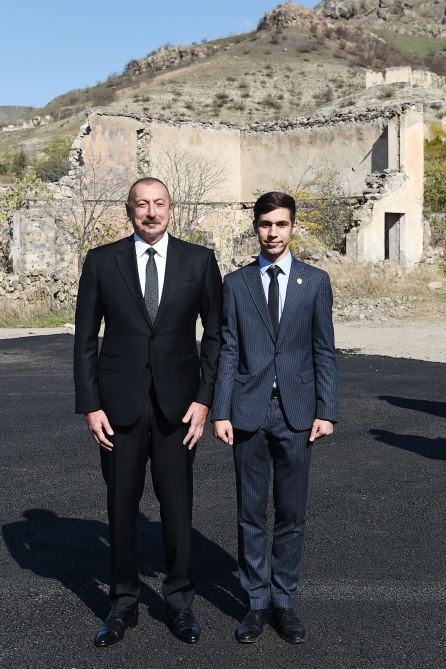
<point>284,264</point>
<point>160,247</point>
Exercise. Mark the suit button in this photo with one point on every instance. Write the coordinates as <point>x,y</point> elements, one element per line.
<point>152,337</point>
<point>147,365</point>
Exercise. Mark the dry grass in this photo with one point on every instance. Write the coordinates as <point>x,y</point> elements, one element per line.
<point>355,281</point>
<point>42,312</point>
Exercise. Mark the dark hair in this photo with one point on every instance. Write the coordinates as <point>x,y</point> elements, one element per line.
<point>274,200</point>
<point>144,180</point>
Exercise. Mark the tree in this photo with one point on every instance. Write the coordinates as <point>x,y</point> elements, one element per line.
<point>323,205</point>
<point>14,162</point>
<point>82,214</point>
<point>435,171</point>
<point>190,179</point>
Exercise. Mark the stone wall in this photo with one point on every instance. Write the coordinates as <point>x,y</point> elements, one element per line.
<point>404,75</point>
<point>57,289</point>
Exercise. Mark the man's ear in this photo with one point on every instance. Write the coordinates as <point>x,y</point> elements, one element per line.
<point>129,211</point>
<point>254,225</point>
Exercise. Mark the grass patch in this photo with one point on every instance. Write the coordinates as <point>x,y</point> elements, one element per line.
<point>41,313</point>
<point>413,45</point>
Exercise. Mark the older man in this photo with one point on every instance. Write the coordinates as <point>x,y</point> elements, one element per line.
<point>146,396</point>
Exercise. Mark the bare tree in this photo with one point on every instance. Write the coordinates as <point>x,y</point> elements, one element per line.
<point>191,178</point>
<point>84,213</point>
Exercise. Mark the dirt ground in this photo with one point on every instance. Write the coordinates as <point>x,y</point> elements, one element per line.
<point>419,339</point>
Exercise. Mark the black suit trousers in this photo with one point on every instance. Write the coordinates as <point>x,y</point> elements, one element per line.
<point>152,438</point>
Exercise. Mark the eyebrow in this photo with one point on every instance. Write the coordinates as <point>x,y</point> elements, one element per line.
<point>266,220</point>
<point>157,199</point>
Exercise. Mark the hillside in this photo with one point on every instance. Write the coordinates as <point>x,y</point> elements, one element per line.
<point>10,114</point>
<point>298,62</point>
<point>415,17</point>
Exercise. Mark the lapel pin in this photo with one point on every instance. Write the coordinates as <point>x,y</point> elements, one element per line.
<point>299,281</point>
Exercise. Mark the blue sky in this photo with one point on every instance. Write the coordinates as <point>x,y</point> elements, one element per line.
<point>48,47</point>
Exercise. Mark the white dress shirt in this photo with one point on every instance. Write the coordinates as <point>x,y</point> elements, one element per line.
<point>160,260</point>
<point>282,278</point>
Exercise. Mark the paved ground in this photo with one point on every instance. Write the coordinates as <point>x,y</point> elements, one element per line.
<point>419,339</point>
<point>374,583</point>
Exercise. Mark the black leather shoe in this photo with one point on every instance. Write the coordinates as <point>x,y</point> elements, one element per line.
<point>251,627</point>
<point>288,625</point>
<point>113,628</point>
<point>183,624</point>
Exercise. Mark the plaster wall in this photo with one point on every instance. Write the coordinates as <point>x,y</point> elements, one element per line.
<point>373,78</point>
<point>220,148</point>
<point>271,160</point>
<point>110,151</point>
<point>395,75</point>
<point>404,75</point>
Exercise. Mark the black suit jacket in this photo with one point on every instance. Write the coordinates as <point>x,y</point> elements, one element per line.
<point>134,352</point>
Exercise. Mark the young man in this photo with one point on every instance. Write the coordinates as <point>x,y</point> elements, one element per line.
<point>147,395</point>
<point>275,394</point>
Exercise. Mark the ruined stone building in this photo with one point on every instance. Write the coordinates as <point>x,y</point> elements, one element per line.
<point>377,155</point>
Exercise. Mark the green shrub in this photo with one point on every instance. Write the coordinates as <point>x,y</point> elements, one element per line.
<point>14,162</point>
<point>54,162</point>
<point>435,172</point>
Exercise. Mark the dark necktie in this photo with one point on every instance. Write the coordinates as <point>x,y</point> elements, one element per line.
<point>273,296</point>
<point>151,290</point>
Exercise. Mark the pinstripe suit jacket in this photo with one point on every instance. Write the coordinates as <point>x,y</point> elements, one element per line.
<point>302,359</point>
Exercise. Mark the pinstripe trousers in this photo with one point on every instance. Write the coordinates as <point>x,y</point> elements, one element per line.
<point>290,454</point>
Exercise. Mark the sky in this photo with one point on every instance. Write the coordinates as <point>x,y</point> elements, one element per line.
<point>49,47</point>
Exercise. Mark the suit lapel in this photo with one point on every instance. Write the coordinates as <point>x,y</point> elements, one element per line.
<point>294,293</point>
<point>173,270</point>
<point>126,261</point>
<point>251,275</point>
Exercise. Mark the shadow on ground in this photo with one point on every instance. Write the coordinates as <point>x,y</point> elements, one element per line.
<point>75,552</point>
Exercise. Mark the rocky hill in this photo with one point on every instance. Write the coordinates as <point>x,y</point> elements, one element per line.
<point>413,17</point>
<point>297,62</point>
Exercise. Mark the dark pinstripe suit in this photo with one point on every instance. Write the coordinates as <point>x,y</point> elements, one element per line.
<point>302,361</point>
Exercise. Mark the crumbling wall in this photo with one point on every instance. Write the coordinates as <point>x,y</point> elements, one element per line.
<point>396,192</point>
<point>387,142</point>
<point>405,75</point>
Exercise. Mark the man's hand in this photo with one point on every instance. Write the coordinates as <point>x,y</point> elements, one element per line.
<point>99,426</point>
<point>320,428</point>
<point>223,430</point>
<point>196,415</point>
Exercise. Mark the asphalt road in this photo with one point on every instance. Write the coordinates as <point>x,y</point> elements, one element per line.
<point>374,585</point>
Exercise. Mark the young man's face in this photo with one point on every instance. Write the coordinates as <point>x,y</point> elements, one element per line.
<point>274,231</point>
<point>149,211</point>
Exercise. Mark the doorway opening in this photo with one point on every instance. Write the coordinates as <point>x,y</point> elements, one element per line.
<point>392,236</point>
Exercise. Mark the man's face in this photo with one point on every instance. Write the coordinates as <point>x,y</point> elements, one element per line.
<point>274,231</point>
<point>149,211</point>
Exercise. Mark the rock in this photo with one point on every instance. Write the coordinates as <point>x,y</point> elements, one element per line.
<point>435,285</point>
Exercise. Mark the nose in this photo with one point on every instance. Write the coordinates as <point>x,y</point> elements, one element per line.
<point>272,232</point>
<point>152,212</point>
